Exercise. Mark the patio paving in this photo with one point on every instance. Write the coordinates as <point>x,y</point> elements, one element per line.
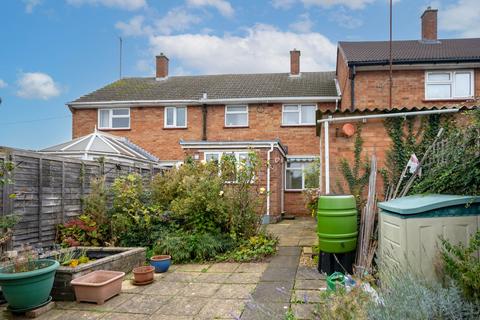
<point>247,291</point>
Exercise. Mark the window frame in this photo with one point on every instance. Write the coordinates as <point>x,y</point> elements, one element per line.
<point>300,107</point>
<point>451,82</point>
<point>165,125</point>
<point>220,155</point>
<point>111,116</point>
<point>303,163</point>
<point>236,112</point>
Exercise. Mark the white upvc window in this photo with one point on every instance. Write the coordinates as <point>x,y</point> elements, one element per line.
<point>298,114</point>
<point>295,176</point>
<point>118,118</point>
<point>175,117</point>
<point>236,116</point>
<point>444,85</point>
<point>241,158</point>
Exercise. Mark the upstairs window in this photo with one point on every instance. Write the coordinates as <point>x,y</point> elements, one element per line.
<point>175,117</point>
<point>298,115</point>
<point>118,118</point>
<point>448,84</point>
<point>300,175</point>
<point>236,116</point>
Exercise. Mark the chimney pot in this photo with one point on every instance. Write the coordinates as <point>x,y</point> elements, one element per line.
<point>429,24</point>
<point>161,66</point>
<point>294,62</point>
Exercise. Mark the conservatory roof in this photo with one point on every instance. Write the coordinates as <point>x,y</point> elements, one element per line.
<point>100,143</point>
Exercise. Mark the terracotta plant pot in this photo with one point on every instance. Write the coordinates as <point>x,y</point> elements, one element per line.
<point>161,263</point>
<point>143,274</point>
<point>98,286</point>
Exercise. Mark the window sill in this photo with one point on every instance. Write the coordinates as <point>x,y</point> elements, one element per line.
<point>449,100</point>
<point>294,190</point>
<point>114,129</point>
<point>235,127</point>
<point>297,125</point>
<point>175,128</point>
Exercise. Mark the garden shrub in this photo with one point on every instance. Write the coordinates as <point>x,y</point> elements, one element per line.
<point>185,247</point>
<point>95,204</point>
<point>462,265</point>
<point>343,305</point>
<point>252,249</point>
<point>82,231</point>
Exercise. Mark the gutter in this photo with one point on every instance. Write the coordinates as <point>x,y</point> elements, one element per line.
<point>268,178</point>
<point>153,103</point>
<point>410,61</point>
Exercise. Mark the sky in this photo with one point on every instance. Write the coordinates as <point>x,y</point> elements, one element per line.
<point>54,51</point>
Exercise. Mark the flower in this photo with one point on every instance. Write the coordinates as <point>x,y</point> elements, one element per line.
<point>262,190</point>
<point>220,193</point>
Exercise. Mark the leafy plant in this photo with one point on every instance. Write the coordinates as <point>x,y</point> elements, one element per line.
<point>184,247</point>
<point>462,265</point>
<point>82,231</point>
<point>343,304</point>
<point>95,204</point>
<point>356,176</point>
<point>253,249</point>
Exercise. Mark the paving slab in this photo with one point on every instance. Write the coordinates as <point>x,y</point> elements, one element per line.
<point>265,311</point>
<point>212,277</point>
<point>109,305</point>
<point>252,267</point>
<point>310,284</point>
<point>272,292</point>
<point>307,273</point>
<point>128,287</point>
<point>144,304</point>
<point>303,311</point>
<point>169,317</point>
<point>288,251</point>
<point>181,276</point>
<point>165,288</point>
<point>223,267</point>
<point>199,290</point>
<point>221,309</point>
<point>251,278</point>
<point>279,274</point>
<point>284,262</point>
<point>193,267</point>
<point>305,296</point>
<point>125,316</point>
<point>235,291</point>
<point>182,306</point>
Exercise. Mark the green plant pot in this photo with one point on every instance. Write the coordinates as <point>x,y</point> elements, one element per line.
<point>30,289</point>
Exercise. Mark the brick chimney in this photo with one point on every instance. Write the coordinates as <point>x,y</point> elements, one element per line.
<point>295,62</point>
<point>161,66</point>
<point>429,24</point>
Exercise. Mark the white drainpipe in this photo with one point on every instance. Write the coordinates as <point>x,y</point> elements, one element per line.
<point>268,177</point>
<point>325,122</point>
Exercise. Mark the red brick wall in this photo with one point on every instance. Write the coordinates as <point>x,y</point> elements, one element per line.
<point>295,203</point>
<point>372,89</point>
<point>343,79</point>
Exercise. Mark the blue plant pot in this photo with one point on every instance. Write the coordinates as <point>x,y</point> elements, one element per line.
<point>161,263</point>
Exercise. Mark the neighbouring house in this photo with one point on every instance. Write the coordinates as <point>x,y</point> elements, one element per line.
<point>206,116</point>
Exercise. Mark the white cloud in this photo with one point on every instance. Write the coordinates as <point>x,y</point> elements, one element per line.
<point>223,6</point>
<point>352,4</point>
<point>120,4</point>
<point>3,84</point>
<point>345,20</point>
<point>283,4</point>
<point>30,5</point>
<point>134,27</point>
<point>37,85</point>
<point>262,49</point>
<point>461,17</point>
<point>303,25</point>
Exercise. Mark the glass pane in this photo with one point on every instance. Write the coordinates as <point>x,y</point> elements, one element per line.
<point>181,117</point>
<point>294,179</point>
<point>170,116</point>
<point>237,119</point>
<point>462,84</point>
<point>104,118</point>
<point>443,76</point>
<point>290,118</point>
<point>311,174</point>
<point>290,108</point>
<point>308,114</point>
<point>212,157</point>
<point>294,165</point>
<point>120,112</point>
<point>438,91</point>
<point>120,122</point>
<point>236,108</point>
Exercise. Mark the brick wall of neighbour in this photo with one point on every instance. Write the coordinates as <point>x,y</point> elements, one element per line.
<point>343,78</point>
<point>295,203</point>
<point>372,89</point>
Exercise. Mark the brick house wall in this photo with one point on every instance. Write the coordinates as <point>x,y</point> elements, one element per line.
<point>343,80</point>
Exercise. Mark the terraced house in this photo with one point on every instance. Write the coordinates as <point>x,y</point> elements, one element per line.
<point>206,116</point>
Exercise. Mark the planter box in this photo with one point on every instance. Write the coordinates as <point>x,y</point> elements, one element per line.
<point>107,258</point>
<point>98,286</point>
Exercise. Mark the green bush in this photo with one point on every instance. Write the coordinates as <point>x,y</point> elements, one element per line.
<point>343,305</point>
<point>82,231</point>
<point>252,249</point>
<point>185,247</point>
<point>462,265</point>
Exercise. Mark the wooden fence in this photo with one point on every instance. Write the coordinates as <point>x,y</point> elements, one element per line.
<point>48,190</point>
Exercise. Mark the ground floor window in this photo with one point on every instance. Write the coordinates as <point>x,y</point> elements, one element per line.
<point>300,175</point>
<point>240,157</point>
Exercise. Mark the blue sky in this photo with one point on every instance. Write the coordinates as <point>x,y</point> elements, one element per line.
<point>53,51</point>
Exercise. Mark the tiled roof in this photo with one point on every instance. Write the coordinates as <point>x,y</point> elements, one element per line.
<point>412,51</point>
<point>228,86</point>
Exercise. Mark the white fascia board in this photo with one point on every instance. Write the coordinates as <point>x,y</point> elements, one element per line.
<point>231,145</point>
<point>155,103</point>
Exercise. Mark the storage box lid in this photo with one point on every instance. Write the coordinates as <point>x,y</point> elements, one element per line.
<point>422,203</point>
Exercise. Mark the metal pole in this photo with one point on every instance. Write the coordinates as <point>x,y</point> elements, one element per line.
<point>390,60</point>
<point>327,160</point>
